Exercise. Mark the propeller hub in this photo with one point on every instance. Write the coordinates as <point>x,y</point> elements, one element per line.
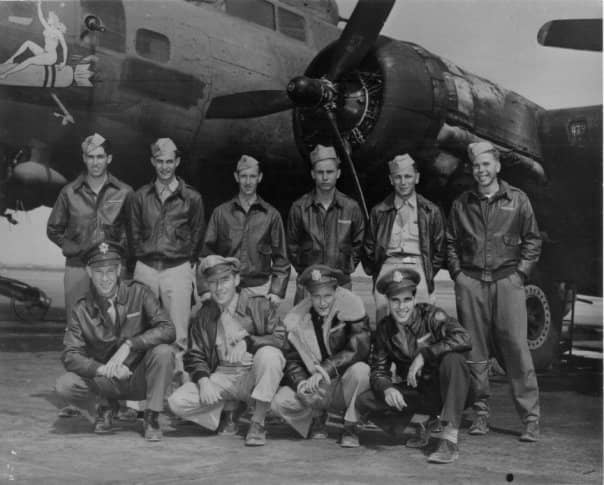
<point>307,92</point>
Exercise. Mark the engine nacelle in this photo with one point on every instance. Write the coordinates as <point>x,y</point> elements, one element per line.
<point>403,99</point>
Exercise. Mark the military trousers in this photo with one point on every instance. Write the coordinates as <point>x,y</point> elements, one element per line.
<point>443,392</point>
<point>494,314</point>
<point>340,395</point>
<point>258,382</point>
<point>76,284</point>
<point>150,380</point>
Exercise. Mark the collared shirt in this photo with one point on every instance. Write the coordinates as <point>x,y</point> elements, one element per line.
<point>245,204</point>
<point>256,237</point>
<point>166,190</point>
<point>404,238</point>
<point>81,218</point>
<point>319,236</point>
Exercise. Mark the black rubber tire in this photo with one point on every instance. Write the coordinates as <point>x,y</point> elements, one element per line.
<point>544,308</point>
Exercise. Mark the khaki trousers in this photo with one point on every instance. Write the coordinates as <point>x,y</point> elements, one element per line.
<point>494,314</point>
<point>298,410</point>
<point>76,283</point>
<point>258,382</point>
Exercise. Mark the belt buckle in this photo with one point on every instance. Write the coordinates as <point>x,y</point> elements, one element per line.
<point>408,259</point>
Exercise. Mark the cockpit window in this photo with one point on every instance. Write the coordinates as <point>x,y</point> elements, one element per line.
<point>291,24</point>
<point>152,45</point>
<point>260,12</point>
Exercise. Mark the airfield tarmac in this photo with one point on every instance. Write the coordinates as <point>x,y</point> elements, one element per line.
<point>38,447</point>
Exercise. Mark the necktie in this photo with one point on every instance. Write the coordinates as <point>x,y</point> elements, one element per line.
<point>112,312</point>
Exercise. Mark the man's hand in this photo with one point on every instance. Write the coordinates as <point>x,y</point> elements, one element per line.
<point>415,369</point>
<point>209,394</point>
<point>205,297</point>
<point>118,358</point>
<point>122,373</point>
<point>237,352</point>
<point>236,337</point>
<point>394,398</point>
<point>314,381</point>
<point>274,300</point>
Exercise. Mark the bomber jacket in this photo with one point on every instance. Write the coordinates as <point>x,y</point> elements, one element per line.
<point>488,239</point>
<point>346,337</point>
<point>256,238</point>
<point>430,332</point>
<point>431,230</point>
<point>80,219</point>
<point>333,237</point>
<point>201,358</point>
<point>168,231</point>
<point>92,338</point>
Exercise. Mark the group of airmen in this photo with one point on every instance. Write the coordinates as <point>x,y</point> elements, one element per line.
<point>137,263</point>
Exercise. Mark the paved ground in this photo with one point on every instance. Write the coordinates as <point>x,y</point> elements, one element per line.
<point>37,447</point>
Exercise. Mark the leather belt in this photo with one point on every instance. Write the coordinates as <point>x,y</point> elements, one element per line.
<point>161,264</point>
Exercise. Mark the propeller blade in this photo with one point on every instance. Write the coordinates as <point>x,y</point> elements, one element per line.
<point>249,104</point>
<point>359,35</point>
<point>341,149</point>
<point>580,34</point>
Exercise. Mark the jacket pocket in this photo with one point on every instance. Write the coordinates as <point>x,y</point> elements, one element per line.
<point>467,249</point>
<point>264,252</point>
<point>344,257</point>
<point>511,246</point>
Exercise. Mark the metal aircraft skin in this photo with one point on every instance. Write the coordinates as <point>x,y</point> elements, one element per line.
<point>211,74</point>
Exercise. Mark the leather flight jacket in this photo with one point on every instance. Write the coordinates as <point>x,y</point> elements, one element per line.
<point>256,238</point>
<point>345,335</point>
<point>490,238</point>
<point>80,218</point>
<point>431,229</point>
<point>201,357</point>
<point>333,237</point>
<point>430,332</point>
<point>167,233</point>
<point>92,337</point>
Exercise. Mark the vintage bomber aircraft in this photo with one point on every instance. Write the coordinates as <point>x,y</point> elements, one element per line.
<point>197,70</point>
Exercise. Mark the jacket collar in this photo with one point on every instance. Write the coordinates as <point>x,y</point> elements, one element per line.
<point>504,191</point>
<point>80,181</point>
<point>179,190</point>
<point>259,203</point>
<point>413,326</point>
<point>388,203</point>
<point>97,304</point>
<point>338,199</point>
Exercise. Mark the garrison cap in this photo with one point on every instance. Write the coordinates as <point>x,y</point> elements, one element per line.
<point>92,142</point>
<point>480,148</point>
<point>103,254</point>
<point>215,266</point>
<point>246,162</point>
<point>321,153</point>
<point>399,162</point>
<point>319,275</point>
<point>164,148</point>
<point>396,280</point>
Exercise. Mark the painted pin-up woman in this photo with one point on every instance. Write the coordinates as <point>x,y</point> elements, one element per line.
<point>54,31</point>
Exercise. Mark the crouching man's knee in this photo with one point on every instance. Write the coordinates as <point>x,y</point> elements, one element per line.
<point>71,387</point>
<point>162,353</point>
<point>268,356</point>
<point>358,373</point>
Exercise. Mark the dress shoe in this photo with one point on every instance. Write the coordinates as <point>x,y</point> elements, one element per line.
<point>446,452</point>
<point>228,424</point>
<point>423,432</point>
<point>350,436</point>
<point>318,428</point>
<point>256,435</point>
<point>480,426</point>
<point>531,432</point>
<point>151,427</point>
<point>103,424</point>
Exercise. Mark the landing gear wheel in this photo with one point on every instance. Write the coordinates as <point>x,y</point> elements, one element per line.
<point>29,312</point>
<point>544,315</point>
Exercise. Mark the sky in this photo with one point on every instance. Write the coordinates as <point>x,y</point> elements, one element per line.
<point>495,39</point>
